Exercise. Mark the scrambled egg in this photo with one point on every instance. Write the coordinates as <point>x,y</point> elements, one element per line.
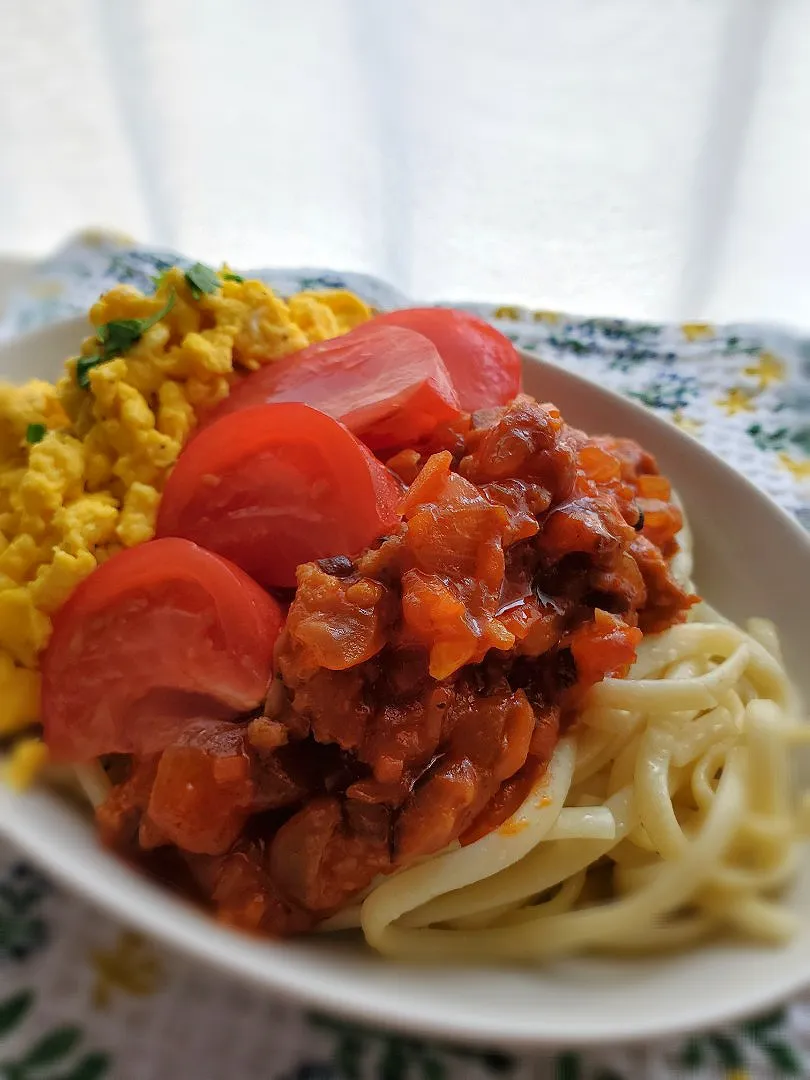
<point>91,484</point>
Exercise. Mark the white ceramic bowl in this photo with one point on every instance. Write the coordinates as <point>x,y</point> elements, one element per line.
<point>751,558</point>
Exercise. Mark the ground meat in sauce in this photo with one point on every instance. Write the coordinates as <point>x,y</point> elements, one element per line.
<point>422,685</point>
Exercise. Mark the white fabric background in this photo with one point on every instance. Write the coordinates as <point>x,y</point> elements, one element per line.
<point>646,158</point>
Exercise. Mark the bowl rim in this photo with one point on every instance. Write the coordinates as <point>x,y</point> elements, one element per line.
<point>198,937</point>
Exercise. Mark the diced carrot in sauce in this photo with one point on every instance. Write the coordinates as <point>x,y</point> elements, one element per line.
<point>598,465</point>
<point>654,487</point>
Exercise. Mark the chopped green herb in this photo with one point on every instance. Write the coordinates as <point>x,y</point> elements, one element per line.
<point>35,433</point>
<point>202,279</point>
<point>228,275</point>
<point>84,365</point>
<point>121,334</point>
<point>159,279</point>
<point>115,338</point>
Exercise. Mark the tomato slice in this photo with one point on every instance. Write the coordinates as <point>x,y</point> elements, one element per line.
<point>484,366</point>
<point>275,486</point>
<point>157,635</point>
<point>387,385</point>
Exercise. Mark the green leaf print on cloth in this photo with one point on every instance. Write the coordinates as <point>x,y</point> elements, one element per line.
<point>23,930</point>
<point>669,391</point>
<point>572,1066</point>
<point>356,1049</point>
<point>52,1055</point>
<point>13,1009</point>
<point>762,1040</point>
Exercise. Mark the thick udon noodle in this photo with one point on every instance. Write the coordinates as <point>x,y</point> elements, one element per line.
<point>665,816</point>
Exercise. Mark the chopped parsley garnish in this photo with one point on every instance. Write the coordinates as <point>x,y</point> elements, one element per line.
<point>160,279</point>
<point>121,334</point>
<point>35,433</point>
<point>115,338</point>
<point>228,275</point>
<point>202,279</point>
<point>84,365</point>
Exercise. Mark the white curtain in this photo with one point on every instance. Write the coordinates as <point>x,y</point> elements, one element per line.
<point>647,158</point>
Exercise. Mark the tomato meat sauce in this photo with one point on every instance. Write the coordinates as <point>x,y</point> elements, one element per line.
<point>420,683</point>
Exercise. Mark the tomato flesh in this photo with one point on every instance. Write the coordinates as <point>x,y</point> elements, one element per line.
<point>388,385</point>
<point>275,486</point>
<point>156,635</point>
<point>484,366</point>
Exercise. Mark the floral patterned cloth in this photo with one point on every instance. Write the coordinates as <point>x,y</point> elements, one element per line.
<point>82,998</point>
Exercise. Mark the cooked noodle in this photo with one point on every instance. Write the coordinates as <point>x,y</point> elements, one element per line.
<point>693,832</point>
